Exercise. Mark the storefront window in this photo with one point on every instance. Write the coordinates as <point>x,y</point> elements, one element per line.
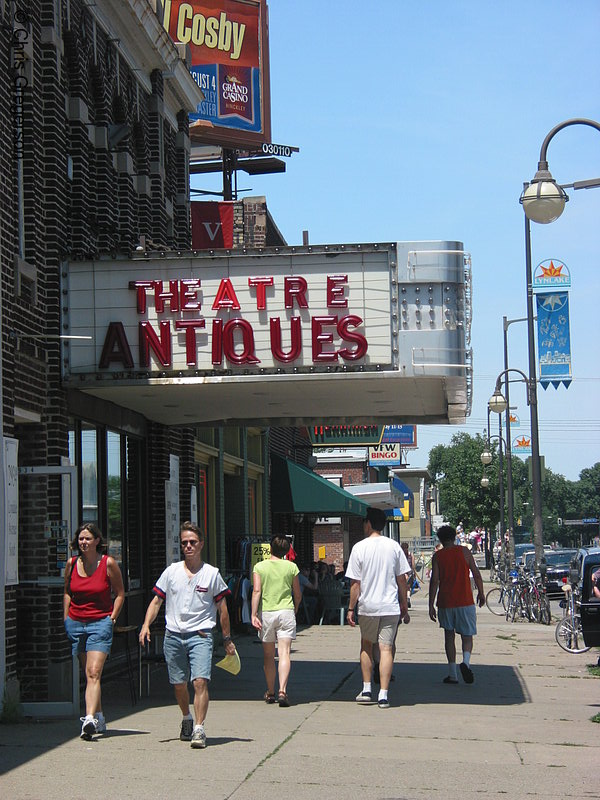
<point>89,474</point>
<point>114,530</point>
<point>134,494</point>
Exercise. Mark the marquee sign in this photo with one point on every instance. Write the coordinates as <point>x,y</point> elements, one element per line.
<point>298,335</point>
<point>188,316</point>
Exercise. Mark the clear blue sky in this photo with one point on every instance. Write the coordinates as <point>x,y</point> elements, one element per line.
<point>421,120</point>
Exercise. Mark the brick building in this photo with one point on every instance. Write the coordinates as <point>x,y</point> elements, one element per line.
<point>94,142</point>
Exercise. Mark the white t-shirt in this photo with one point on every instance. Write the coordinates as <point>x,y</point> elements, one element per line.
<point>376,562</point>
<point>190,603</point>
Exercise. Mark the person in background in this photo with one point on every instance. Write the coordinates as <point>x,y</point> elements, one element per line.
<point>309,586</point>
<point>451,583</point>
<point>377,569</point>
<point>91,580</point>
<point>275,582</point>
<point>193,592</point>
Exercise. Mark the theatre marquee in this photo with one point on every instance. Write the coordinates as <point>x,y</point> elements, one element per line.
<point>287,335</point>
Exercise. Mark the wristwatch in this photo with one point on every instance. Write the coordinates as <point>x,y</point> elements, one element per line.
<point>226,639</point>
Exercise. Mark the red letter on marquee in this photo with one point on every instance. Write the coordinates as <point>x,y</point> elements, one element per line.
<point>140,287</point>
<point>335,291</point>
<point>351,336</point>
<point>189,326</point>
<point>296,333</point>
<point>149,340</point>
<point>188,294</point>
<point>116,347</point>
<point>217,341</point>
<point>160,296</point>
<point>319,338</point>
<point>261,294</point>
<point>226,296</point>
<point>247,356</point>
<point>295,287</point>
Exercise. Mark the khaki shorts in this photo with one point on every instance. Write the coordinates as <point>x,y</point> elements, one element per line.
<point>379,629</point>
<point>278,625</point>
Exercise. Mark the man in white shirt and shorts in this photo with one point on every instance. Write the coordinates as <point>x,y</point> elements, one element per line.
<point>193,591</point>
<point>377,569</point>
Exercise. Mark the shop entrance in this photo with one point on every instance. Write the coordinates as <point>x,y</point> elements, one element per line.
<point>62,670</point>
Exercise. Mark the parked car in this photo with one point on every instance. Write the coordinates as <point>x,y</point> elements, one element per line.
<point>586,563</point>
<point>558,566</point>
<point>523,550</point>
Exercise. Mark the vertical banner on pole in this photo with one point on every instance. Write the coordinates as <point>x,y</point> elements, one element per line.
<point>554,339</point>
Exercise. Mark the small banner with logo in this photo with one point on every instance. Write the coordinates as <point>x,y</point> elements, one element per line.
<point>521,445</point>
<point>212,225</point>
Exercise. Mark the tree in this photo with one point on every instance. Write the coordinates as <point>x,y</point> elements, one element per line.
<point>456,470</point>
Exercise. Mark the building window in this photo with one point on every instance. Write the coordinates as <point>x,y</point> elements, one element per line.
<point>111,480</point>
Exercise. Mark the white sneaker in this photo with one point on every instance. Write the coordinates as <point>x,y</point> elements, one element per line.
<point>198,737</point>
<point>365,699</point>
<point>89,727</point>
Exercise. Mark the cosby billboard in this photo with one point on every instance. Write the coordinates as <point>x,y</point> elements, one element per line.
<point>228,42</point>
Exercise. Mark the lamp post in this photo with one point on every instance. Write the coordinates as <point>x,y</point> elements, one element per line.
<point>510,501</point>
<point>499,405</point>
<point>486,458</point>
<point>543,201</point>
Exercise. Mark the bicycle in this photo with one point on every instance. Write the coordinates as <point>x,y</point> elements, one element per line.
<point>423,566</point>
<point>568,632</point>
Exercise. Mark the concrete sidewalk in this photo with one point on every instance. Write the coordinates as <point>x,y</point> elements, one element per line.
<point>521,730</point>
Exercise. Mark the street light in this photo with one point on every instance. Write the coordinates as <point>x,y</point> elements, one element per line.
<point>485,482</point>
<point>498,404</point>
<point>486,457</point>
<point>543,201</point>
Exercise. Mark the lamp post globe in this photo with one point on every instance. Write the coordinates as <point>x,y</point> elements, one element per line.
<point>486,457</point>
<point>543,200</point>
<point>497,402</point>
<point>485,482</point>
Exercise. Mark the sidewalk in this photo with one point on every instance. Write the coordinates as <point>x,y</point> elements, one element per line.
<point>522,730</point>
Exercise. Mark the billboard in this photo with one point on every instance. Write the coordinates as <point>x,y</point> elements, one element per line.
<point>228,43</point>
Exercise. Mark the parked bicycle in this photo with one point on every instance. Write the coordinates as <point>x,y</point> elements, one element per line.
<point>568,632</point>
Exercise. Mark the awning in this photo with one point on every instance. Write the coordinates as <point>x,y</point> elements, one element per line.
<point>295,489</point>
<point>394,497</point>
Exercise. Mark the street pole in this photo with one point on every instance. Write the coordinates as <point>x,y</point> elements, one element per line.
<point>536,477</point>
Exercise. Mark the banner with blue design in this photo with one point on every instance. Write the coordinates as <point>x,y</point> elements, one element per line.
<point>554,339</point>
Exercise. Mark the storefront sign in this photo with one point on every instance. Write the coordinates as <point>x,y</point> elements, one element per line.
<point>405,435</point>
<point>186,317</point>
<point>383,455</point>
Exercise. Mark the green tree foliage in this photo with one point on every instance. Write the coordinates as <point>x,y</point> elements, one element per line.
<point>456,469</point>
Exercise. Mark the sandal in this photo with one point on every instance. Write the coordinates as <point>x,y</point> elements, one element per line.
<point>269,698</point>
<point>283,700</point>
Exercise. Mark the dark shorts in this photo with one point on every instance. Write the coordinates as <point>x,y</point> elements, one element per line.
<point>95,635</point>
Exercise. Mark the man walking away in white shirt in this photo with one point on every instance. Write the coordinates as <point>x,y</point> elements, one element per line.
<point>377,569</point>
